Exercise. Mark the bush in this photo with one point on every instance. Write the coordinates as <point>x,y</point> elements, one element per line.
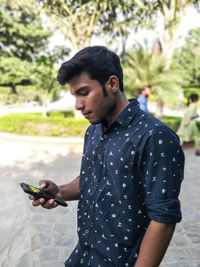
<point>63,114</point>
<point>172,122</point>
<point>33,124</point>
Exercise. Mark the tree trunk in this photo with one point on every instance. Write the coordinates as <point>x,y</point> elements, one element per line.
<point>13,89</point>
<point>159,108</point>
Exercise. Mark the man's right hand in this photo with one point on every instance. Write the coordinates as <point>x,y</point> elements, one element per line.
<point>48,186</point>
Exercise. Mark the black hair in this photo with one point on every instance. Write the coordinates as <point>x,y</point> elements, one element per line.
<point>192,98</point>
<point>99,62</point>
<point>140,90</point>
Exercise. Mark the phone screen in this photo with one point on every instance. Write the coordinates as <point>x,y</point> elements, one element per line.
<point>39,193</point>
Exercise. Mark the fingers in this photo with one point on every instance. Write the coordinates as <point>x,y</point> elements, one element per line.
<point>49,186</point>
<point>50,204</point>
<point>44,184</point>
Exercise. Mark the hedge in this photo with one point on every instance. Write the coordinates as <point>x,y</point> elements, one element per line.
<point>56,125</point>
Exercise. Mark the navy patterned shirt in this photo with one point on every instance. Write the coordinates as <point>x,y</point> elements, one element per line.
<point>131,174</point>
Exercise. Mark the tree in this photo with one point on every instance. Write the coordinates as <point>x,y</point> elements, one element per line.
<point>81,20</point>
<point>75,19</point>
<point>187,59</point>
<point>146,68</point>
<point>168,14</point>
<point>24,55</point>
<point>22,39</point>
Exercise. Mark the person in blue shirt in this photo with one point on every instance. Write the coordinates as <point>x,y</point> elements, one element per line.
<point>142,98</point>
<point>131,171</point>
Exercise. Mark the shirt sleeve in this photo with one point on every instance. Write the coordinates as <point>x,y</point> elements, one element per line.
<point>161,174</point>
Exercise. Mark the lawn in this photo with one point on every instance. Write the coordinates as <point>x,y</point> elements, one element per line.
<point>56,125</point>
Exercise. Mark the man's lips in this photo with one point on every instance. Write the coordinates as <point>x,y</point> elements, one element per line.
<point>85,114</point>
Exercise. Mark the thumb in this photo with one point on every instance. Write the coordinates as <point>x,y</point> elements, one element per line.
<point>42,184</point>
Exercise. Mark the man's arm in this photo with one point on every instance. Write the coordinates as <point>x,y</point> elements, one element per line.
<point>155,243</point>
<point>70,191</point>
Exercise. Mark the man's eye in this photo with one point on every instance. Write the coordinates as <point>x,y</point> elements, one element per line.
<point>84,93</point>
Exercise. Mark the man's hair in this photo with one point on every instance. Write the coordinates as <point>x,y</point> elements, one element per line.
<point>140,90</point>
<point>99,62</point>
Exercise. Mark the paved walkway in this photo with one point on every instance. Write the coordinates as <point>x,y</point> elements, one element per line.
<point>34,237</point>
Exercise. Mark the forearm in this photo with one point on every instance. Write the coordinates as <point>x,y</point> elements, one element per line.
<point>70,191</point>
<point>154,244</point>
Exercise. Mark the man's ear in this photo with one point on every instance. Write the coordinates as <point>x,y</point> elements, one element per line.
<point>113,84</point>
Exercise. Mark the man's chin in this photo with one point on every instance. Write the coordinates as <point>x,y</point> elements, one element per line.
<point>93,122</point>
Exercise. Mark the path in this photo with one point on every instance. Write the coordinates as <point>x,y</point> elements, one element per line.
<point>34,237</point>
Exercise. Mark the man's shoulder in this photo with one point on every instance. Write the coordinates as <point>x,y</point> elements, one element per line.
<point>93,129</point>
<point>141,98</point>
<point>148,125</point>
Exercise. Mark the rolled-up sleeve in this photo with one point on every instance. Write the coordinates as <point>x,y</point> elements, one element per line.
<point>161,173</point>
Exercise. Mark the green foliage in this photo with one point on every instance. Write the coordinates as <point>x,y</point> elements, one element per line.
<point>189,91</point>
<point>21,34</point>
<point>172,122</point>
<point>81,20</point>
<point>33,124</point>
<point>61,114</point>
<point>25,58</point>
<point>187,59</point>
<point>142,68</point>
<point>22,39</point>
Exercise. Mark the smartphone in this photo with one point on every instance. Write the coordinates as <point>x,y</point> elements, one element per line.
<point>39,193</point>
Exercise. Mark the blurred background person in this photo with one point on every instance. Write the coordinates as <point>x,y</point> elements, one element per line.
<point>142,98</point>
<point>188,130</point>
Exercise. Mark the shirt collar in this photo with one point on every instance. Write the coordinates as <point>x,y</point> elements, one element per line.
<point>126,116</point>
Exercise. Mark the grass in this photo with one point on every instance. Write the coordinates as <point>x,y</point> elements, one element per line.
<point>34,124</point>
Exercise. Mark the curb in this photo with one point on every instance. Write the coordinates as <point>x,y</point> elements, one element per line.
<point>56,140</point>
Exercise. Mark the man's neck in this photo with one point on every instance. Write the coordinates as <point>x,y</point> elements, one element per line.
<point>121,104</point>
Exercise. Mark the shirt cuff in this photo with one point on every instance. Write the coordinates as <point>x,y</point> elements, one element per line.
<point>164,211</point>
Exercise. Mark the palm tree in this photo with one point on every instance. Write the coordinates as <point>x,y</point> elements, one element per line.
<point>146,68</point>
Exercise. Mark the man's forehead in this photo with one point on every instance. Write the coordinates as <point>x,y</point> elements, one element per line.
<point>80,76</point>
<point>80,82</point>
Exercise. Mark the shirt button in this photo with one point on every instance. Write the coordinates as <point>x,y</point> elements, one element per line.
<point>95,180</point>
<point>91,206</point>
<point>99,156</point>
<point>105,136</point>
<point>86,231</point>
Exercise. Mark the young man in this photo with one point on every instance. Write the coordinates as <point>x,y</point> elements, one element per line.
<point>131,170</point>
<point>142,98</point>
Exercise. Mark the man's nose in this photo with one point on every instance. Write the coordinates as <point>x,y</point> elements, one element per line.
<point>79,104</point>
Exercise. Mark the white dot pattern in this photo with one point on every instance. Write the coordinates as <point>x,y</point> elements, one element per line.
<point>130,174</point>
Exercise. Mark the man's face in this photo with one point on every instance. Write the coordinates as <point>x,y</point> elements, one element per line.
<point>147,92</point>
<point>90,99</point>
